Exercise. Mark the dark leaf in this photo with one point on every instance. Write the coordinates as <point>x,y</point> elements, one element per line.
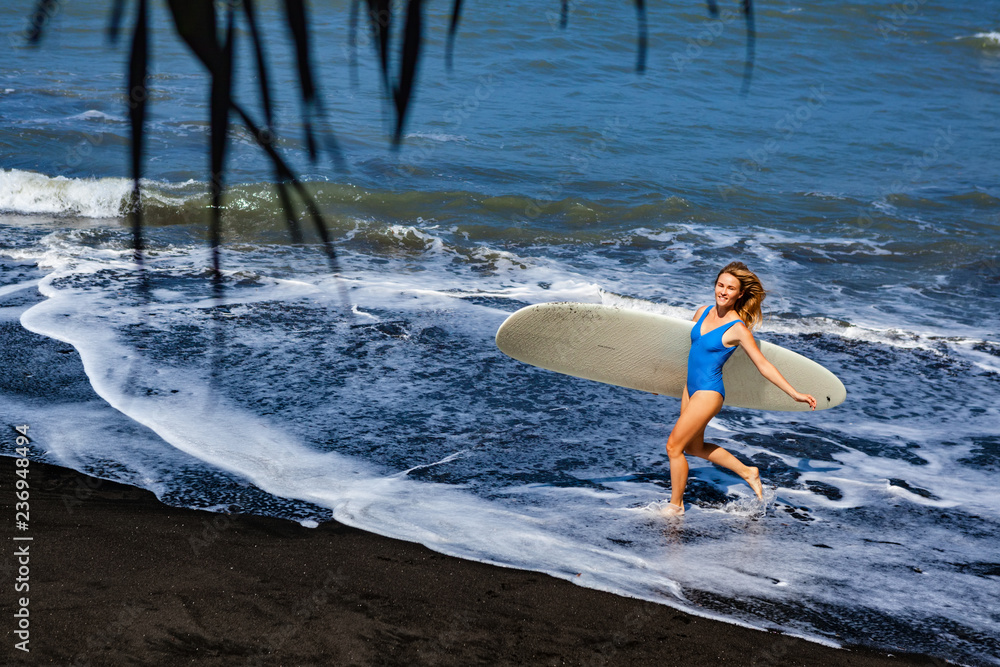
<point>262,75</point>
<point>640,64</point>
<point>456,11</point>
<point>353,42</point>
<point>203,44</point>
<point>44,11</point>
<point>295,12</point>
<point>286,205</point>
<point>194,21</point>
<point>408,64</point>
<point>751,42</point>
<point>115,24</point>
<point>221,99</point>
<point>380,22</point>
<point>286,176</point>
<point>713,8</point>
<point>138,71</point>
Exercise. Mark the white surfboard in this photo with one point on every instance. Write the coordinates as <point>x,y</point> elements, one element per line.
<point>649,351</point>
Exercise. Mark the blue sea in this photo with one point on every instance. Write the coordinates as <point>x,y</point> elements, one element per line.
<point>858,176</point>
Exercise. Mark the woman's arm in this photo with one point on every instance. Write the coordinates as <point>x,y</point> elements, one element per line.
<point>765,367</point>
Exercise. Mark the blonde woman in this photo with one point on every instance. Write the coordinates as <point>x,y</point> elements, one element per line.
<point>717,332</point>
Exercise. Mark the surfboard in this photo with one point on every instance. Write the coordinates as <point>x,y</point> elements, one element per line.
<point>648,352</point>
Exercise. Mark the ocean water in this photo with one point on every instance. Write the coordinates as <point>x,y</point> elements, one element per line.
<point>858,177</point>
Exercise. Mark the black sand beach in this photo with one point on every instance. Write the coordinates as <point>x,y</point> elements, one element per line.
<point>117,578</point>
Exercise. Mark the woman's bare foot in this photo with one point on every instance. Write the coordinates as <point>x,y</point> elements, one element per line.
<point>753,479</point>
<point>671,509</point>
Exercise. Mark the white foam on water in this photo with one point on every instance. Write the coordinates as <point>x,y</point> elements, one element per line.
<point>17,287</point>
<point>436,136</point>
<point>590,521</point>
<point>992,38</point>
<point>94,114</point>
<point>29,192</point>
<point>631,303</point>
<point>198,421</point>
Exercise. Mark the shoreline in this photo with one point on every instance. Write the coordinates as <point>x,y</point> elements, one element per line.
<point>116,576</point>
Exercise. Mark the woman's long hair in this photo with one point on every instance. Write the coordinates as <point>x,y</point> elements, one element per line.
<point>748,305</point>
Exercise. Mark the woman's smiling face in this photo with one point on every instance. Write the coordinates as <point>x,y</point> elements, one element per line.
<point>727,290</point>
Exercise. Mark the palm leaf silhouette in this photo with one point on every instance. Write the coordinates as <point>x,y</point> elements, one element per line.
<point>196,23</point>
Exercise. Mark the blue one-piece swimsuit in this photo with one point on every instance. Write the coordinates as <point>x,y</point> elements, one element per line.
<point>707,357</point>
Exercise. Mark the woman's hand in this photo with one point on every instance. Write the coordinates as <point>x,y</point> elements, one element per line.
<point>805,398</point>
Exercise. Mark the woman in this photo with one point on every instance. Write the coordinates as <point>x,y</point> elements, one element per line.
<point>717,332</point>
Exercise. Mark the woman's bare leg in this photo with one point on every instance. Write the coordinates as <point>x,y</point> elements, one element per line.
<point>720,457</point>
<point>696,412</point>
